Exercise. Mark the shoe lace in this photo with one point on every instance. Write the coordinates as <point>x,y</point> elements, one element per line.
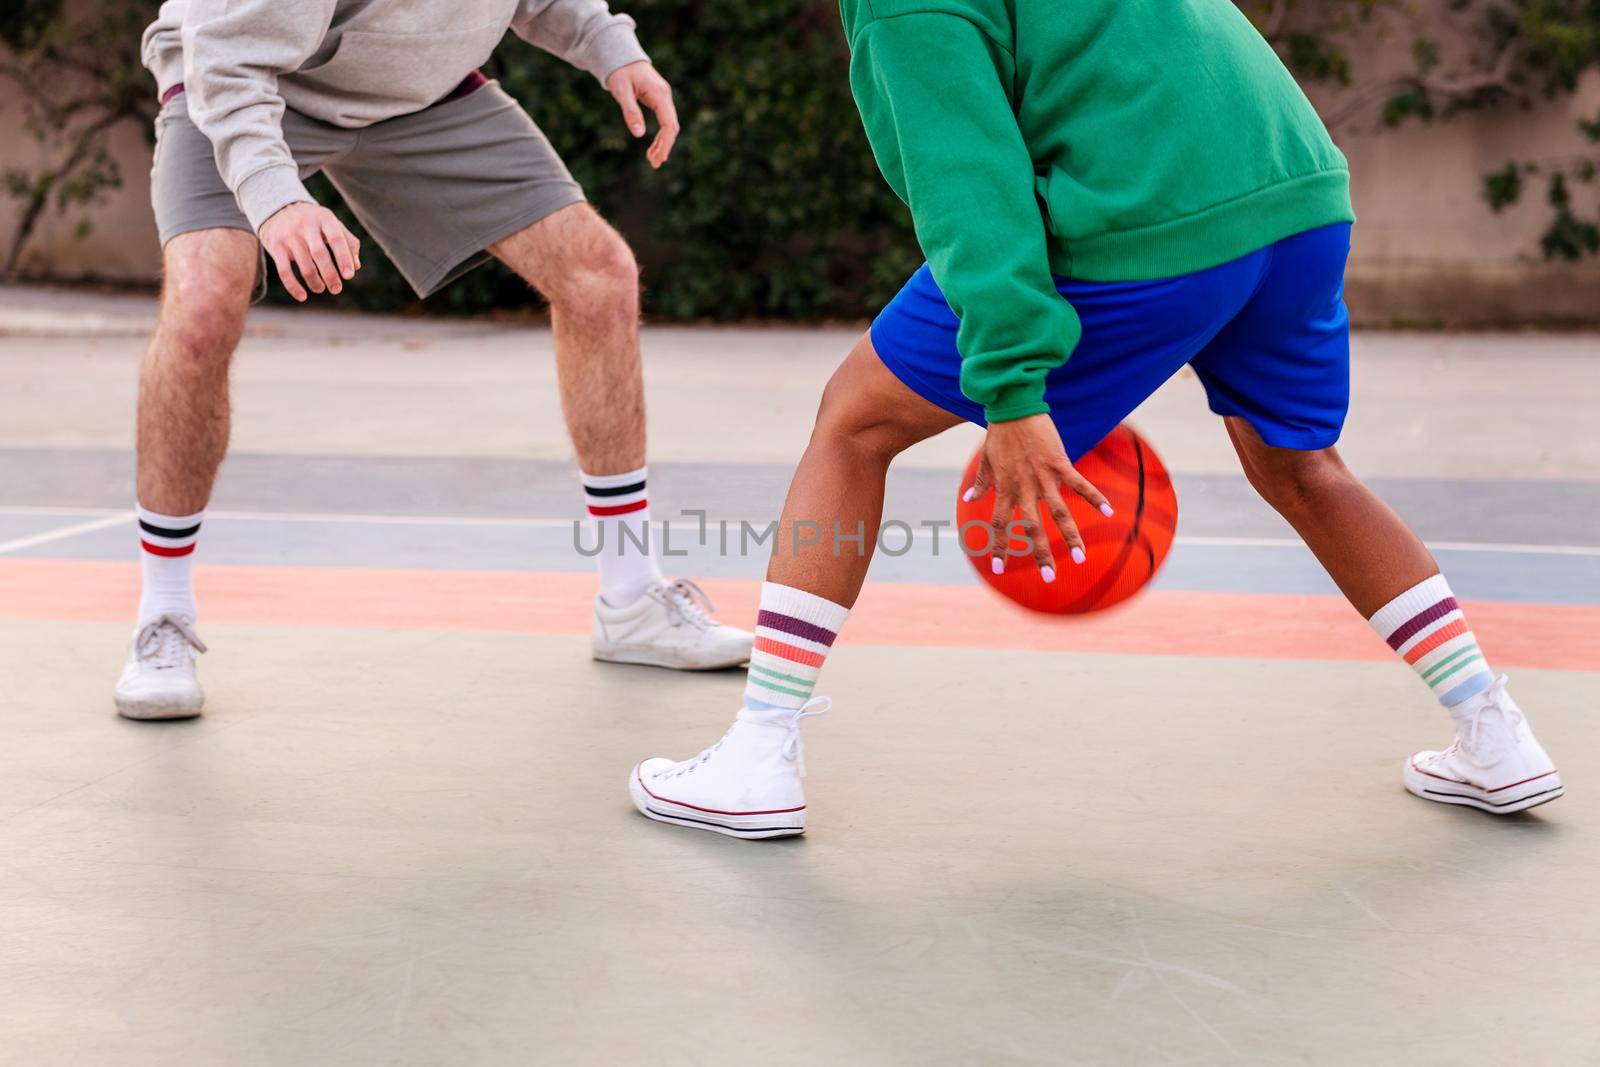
<point>162,640</point>
<point>793,748</point>
<point>686,602</point>
<point>1478,744</point>
<point>695,762</point>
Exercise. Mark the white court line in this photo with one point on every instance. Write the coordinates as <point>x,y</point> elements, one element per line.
<point>113,517</point>
<point>25,509</point>
<point>1509,547</point>
<point>312,516</point>
<point>388,520</point>
<point>64,532</point>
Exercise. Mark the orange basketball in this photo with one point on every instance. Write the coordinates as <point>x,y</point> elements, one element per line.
<point>1123,551</point>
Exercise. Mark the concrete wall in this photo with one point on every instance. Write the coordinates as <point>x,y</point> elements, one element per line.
<point>1427,247</point>
<point>1428,251</point>
<point>122,245</point>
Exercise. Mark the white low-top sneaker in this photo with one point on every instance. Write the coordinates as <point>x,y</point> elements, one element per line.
<point>1495,762</point>
<point>159,680</point>
<point>746,785</point>
<point>669,626</point>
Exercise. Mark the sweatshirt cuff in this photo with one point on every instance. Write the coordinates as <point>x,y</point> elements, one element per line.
<point>612,48</point>
<point>1017,402</point>
<point>269,189</point>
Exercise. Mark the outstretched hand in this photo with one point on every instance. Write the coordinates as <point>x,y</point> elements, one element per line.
<point>311,238</point>
<point>1026,465</point>
<point>639,83</point>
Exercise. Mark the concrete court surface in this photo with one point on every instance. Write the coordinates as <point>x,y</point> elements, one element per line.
<point>1171,835</point>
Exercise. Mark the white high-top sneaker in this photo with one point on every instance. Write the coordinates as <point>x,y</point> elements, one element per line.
<point>668,627</point>
<point>1495,762</point>
<point>159,681</point>
<point>746,785</point>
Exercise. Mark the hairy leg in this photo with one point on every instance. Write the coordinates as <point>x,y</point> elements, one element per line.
<point>1368,550</point>
<point>867,417</point>
<point>585,269</point>
<point>183,416</point>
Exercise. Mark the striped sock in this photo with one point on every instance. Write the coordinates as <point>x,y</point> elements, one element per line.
<point>1426,627</point>
<point>794,630</point>
<point>620,509</point>
<point>166,557</point>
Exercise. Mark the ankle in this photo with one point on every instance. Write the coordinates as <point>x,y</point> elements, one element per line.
<point>619,507</point>
<point>150,613</point>
<point>1428,630</point>
<point>768,717</point>
<point>166,553</point>
<point>794,632</point>
<point>1495,694</point>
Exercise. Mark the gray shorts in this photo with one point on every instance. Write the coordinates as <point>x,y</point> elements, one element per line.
<point>433,188</point>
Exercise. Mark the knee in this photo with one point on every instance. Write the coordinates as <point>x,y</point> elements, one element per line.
<point>847,420</point>
<point>1297,482</point>
<point>599,275</point>
<point>202,317</point>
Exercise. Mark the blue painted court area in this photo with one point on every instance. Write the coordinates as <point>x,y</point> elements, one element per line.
<point>1536,542</point>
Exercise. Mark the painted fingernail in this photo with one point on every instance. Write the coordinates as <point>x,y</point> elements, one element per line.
<point>997,565</point>
<point>970,495</point>
<point>1105,509</point>
<point>1048,574</point>
<point>1077,555</point>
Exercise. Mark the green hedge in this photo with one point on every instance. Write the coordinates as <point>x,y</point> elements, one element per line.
<point>771,206</point>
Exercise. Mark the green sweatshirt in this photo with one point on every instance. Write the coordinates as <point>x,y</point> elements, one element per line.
<point>1101,140</point>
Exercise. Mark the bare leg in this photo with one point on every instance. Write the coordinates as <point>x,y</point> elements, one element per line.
<point>183,380</point>
<point>182,437</point>
<point>748,784</point>
<point>867,418</point>
<point>1496,764</point>
<point>1368,550</point>
<point>585,269</point>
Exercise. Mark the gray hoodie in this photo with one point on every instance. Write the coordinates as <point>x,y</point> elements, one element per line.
<point>346,62</point>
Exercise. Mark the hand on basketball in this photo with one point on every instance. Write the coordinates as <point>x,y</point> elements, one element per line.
<point>311,238</point>
<point>1026,466</point>
<point>638,83</point>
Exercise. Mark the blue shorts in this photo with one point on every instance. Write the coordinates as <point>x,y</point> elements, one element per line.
<point>1268,335</point>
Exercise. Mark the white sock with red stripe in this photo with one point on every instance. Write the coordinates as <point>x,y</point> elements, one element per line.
<point>620,508</point>
<point>1427,628</point>
<point>166,556</point>
<point>794,631</point>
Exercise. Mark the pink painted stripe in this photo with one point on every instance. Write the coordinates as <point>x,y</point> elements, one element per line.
<point>1165,622</point>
